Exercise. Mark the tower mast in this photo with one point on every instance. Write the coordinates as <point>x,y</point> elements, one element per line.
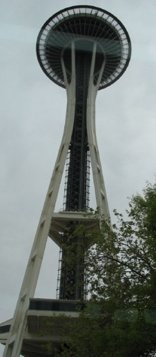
<point>82,49</point>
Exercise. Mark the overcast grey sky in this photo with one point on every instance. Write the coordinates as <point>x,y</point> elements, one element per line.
<point>32,112</point>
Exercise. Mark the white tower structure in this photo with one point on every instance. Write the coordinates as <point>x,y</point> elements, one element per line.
<point>83,49</point>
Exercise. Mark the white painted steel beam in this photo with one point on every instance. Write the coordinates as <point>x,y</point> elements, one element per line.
<point>15,338</point>
<point>100,191</point>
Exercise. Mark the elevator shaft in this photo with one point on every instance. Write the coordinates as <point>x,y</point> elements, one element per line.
<point>77,184</point>
<point>77,197</point>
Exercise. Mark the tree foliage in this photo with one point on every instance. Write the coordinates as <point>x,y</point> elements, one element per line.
<point>120,315</point>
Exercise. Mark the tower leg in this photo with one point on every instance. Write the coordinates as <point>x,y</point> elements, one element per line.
<point>16,335</point>
<point>100,191</point>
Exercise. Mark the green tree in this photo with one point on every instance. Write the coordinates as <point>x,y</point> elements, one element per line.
<point>120,315</point>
